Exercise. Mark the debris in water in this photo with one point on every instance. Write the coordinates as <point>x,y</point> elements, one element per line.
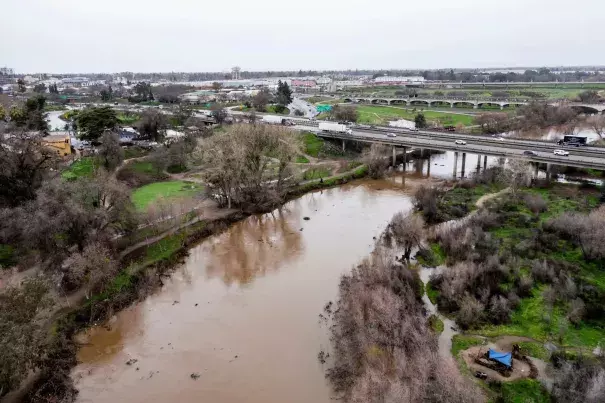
<point>236,356</point>
<point>131,361</point>
<point>195,304</point>
<point>306,218</point>
<point>328,308</point>
<point>175,302</point>
<point>322,357</point>
<point>137,368</point>
<point>195,376</point>
<point>373,237</point>
<point>301,229</point>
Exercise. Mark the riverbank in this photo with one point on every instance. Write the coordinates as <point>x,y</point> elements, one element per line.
<point>144,269</point>
<point>254,292</point>
<point>515,273</point>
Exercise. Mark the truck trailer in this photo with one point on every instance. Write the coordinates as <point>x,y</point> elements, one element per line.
<point>334,128</point>
<point>273,120</point>
<point>576,141</point>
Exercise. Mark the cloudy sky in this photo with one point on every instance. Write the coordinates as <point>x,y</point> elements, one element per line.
<point>213,35</point>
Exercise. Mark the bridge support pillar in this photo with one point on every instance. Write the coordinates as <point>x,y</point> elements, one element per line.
<point>343,146</point>
<point>501,107</point>
<point>463,164</point>
<point>478,162</point>
<point>548,172</point>
<point>484,162</point>
<point>455,164</point>
<point>394,156</point>
<point>475,106</point>
<point>428,166</point>
<point>536,166</point>
<point>405,158</point>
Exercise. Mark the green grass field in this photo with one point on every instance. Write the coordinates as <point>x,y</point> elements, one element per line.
<point>145,195</point>
<point>381,115</point>
<point>271,109</point>
<point>84,167</point>
<point>316,173</point>
<point>312,144</point>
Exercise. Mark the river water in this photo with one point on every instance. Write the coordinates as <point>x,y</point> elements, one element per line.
<point>242,312</point>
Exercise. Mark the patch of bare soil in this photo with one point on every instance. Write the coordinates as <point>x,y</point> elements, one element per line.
<point>521,369</point>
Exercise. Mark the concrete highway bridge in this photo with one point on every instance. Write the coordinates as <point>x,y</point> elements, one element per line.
<point>465,103</point>
<point>481,146</point>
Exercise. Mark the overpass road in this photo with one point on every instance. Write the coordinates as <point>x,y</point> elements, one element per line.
<point>492,147</point>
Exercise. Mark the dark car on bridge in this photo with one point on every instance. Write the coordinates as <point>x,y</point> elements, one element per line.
<point>529,152</point>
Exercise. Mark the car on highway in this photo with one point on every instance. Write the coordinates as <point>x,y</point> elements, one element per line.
<point>561,152</point>
<point>391,135</point>
<point>529,152</point>
<point>460,142</point>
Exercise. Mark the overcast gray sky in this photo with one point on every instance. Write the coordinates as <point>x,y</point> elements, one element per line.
<point>213,35</point>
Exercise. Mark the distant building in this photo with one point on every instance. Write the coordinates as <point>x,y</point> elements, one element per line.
<point>58,141</point>
<point>348,83</point>
<point>303,84</point>
<point>399,80</point>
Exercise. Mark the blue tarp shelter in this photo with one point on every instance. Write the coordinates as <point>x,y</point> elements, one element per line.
<point>504,358</point>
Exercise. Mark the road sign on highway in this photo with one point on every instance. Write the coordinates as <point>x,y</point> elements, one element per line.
<point>323,108</point>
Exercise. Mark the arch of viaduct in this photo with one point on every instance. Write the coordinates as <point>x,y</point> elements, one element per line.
<point>475,104</point>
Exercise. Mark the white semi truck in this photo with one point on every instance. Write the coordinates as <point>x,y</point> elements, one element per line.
<point>334,128</point>
<point>273,120</point>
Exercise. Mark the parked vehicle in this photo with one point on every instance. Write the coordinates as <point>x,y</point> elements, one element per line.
<point>529,152</point>
<point>273,120</point>
<point>460,142</point>
<point>561,152</point>
<point>334,128</point>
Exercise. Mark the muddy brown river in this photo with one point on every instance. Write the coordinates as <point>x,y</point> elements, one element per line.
<point>242,312</point>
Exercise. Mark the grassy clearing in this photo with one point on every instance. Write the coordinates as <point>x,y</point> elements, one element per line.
<point>461,342</point>
<point>145,195</point>
<point>316,173</point>
<point>84,167</point>
<point>433,256</point>
<point>127,118</point>
<point>436,324</point>
<point>135,152</point>
<point>301,159</point>
<point>536,350</point>
<point>432,293</point>
<point>522,391</point>
<point>380,115</point>
<point>271,109</point>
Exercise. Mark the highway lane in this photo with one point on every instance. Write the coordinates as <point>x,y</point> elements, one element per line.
<point>472,147</point>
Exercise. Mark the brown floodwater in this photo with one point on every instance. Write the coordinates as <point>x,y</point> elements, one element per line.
<point>242,312</point>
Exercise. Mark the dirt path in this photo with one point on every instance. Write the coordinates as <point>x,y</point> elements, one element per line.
<point>481,202</point>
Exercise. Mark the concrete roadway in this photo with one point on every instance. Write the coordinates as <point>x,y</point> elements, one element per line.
<point>585,159</point>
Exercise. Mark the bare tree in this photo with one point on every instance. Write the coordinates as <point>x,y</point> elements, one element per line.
<point>238,168</point>
<point>25,163</point>
<point>261,100</point>
<point>219,113</point>
<point>345,113</point>
<point>517,174</point>
<point>153,125</point>
<point>110,151</point>
<point>377,159</point>
<point>383,349</point>
<point>22,326</point>
<point>493,122</point>
<point>406,231</point>
<point>93,268</point>
<point>597,123</point>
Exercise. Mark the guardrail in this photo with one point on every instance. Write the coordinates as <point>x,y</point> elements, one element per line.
<point>502,152</point>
